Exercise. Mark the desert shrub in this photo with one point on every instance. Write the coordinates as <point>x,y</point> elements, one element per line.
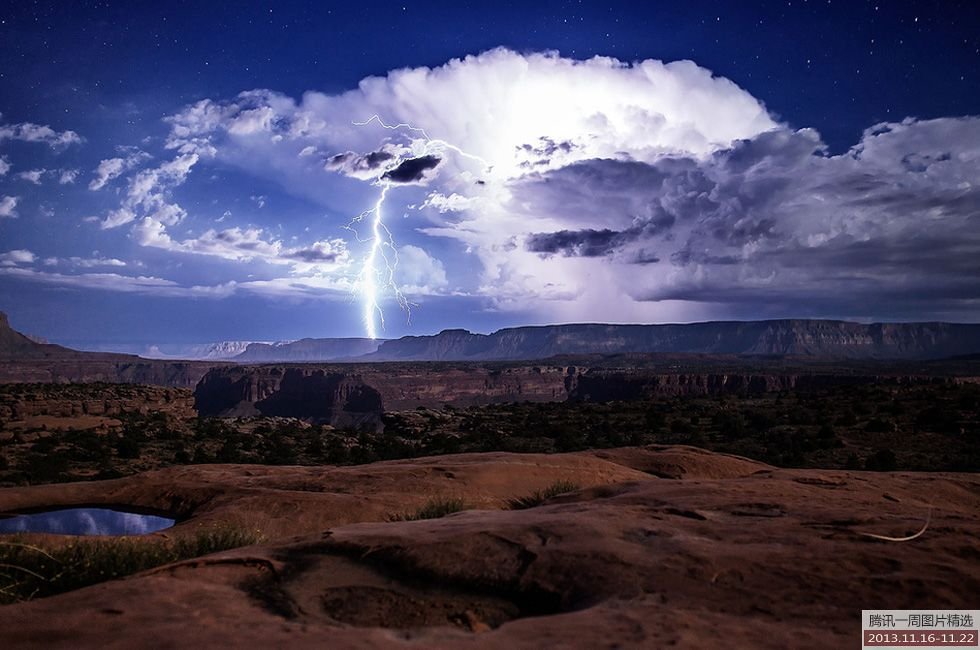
<point>654,419</point>
<point>34,571</point>
<point>433,509</point>
<point>50,467</point>
<point>731,426</point>
<point>181,455</point>
<point>538,497</point>
<point>938,419</point>
<point>882,460</point>
<point>229,452</point>
<point>128,447</point>
<point>847,419</point>
<point>201,456</point>
<point>680,425</point>
<point>878,425</point>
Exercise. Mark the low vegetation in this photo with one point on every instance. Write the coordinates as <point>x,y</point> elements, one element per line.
<point>433,509</point>
<point>538,497</point>
<point>32,570</point>
<point>928,427</point>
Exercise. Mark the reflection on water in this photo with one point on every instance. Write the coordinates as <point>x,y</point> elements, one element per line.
<point>85,521</point>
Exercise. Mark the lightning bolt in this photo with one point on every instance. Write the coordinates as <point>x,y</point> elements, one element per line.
<point>377,274</point>
<point>371,279</point>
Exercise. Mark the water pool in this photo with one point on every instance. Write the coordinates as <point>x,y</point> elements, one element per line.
<point>85,521</point>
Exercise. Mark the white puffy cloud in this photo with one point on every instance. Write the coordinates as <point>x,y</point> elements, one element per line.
<point>4,165</point>
<point>517,111</point>
<point>68,176</point>
<point>232,243</point>
<point>147,193</point>
<point>32,176</point>
<point>111,168</point>
<point>8,206</point>
<point>15,257</point>
<point>514,111</point>
<point>452,203</point>
<point>252,120</point>
<point>418,273</point>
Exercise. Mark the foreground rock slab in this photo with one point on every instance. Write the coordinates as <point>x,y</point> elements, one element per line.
<point>662,547</point>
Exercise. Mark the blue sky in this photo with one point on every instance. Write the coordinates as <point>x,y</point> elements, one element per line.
<point>185,172</point>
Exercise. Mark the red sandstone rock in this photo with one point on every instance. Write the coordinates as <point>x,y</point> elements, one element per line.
<point>730,554</point>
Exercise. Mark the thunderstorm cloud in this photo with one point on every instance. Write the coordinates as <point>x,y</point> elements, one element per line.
<point>412,170</point>
<point>566,190</point>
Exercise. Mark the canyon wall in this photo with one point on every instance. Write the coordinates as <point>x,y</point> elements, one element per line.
<point>338,394</point>
<point>811,338</point>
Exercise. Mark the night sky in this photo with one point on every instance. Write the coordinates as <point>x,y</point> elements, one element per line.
<point>191,172</point>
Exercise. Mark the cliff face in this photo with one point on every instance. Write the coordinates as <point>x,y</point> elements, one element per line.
<point>343,400</point>
<point>830,339</point>
<point>337,395</point>
<point>342,394</point>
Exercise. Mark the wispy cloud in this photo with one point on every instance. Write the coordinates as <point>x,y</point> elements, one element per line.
<point>112,168</point>
<point>30,132</point>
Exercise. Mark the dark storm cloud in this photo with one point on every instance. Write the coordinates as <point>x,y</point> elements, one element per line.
<point>776,220</point>
<point>320,252</point>
<point>387,162</point>
<point>313,255</point>
<point>600,193</point>
<point>358,165</point>
<point>413,169</point>
<point>578,243</point>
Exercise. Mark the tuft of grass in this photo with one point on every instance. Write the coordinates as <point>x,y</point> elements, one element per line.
<point>433,509</point>
<point>538,497</point>
<point>32,571</point>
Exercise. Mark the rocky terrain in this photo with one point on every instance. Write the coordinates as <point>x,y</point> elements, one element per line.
<point>20,406</point>
<point>814,338</point>
<point>659,546</point>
